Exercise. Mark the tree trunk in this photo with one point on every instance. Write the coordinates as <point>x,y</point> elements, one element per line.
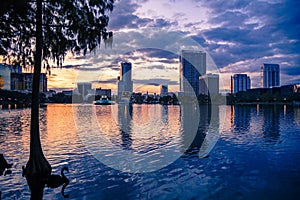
<point>37,168</point>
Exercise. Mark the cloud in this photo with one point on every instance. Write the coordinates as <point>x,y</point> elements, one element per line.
<point>239,35</point>
<point>155,81</point>
<point>123,17</point>
<point>107,81</point>
<point>158,53</point>
<point>77,66</point>
<point>248,33</point>
<point>161,67</point>
<point>71,66</point>
<point>291,70</point>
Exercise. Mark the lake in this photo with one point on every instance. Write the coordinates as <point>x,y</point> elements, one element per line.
<point>159,152</point>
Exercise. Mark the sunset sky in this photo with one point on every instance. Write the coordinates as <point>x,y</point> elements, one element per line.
<point>238,35</point>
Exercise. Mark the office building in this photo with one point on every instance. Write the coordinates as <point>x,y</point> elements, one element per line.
<point>240,82</point>
<point>192,66</point>
<point>163,90</point>
<point>270,75</point>
<point>103,92</point>
<point>209,84</point>
<point>84,88</point>
<point>12,78</point>
<point>27,82</point>
<point>17,81</point>
<point>4,77</point>
<point>125,84</point>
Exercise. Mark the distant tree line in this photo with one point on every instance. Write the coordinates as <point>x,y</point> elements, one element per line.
<point>264,96</point>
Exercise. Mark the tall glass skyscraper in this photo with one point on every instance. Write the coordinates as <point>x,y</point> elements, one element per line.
<point>270,75</point>
<point>125,83</point>
<point>192,66</point>
<point>240,82</point>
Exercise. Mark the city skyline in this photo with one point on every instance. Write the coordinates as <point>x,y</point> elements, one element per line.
<point>238,37</point>
<point>192,77</point>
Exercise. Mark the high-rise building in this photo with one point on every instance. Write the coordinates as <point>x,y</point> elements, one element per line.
<point>270,75</point>
<point>5,77</point>
<point>125,84</point>
<point>192,66</point>
<point>28,78</point>
<point>163,90</point>
<point>103,92</point>
<point>209,84</point>
<point>83,88</point>
<point>17,81</point>
<point>240,82</point>
<point>12,78</point>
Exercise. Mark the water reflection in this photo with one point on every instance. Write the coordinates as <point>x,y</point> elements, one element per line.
<point>124,122</point>
<point>242,117</point>
<point>146,134</point>
<point>248,160</point>
<point>271,121</point>
<point>190,119</point>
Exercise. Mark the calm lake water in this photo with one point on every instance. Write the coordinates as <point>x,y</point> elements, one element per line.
<point>160,152</point>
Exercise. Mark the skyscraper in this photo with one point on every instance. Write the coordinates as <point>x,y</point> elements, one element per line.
<point>5,77</point>
<point>192,66</point>
<point>209,84</point>
<point>84,88</point>
<point>163,90</point>
<point>125,84</point>
<point>270,75</point>
<point>240,82</point>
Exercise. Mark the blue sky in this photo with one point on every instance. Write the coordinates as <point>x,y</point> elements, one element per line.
<point>239,35</point>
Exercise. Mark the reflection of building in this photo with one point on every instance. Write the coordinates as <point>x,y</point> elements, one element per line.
<point>209,84</point>
<point>84,88</point>
<point>163,90</point>
<point>270,75</point>
<point>271,121</point>
<point>208,128</point>
<point>125,84</point>
<point>242,117</point>
<point>124,122</point>
<point>240,82</point>
<point>192,65</point>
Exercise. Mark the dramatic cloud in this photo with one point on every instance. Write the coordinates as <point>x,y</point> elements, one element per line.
<point>108,81</point>
<point>238,35</point>
<point>124,17</point>
<point>155,82</point>
<point>248,33</point>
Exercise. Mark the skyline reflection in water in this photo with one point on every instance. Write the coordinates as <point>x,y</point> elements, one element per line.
<point>255,156</point>
<point>141,138</point>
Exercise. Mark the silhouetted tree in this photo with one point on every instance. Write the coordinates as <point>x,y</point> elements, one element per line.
<point>32,32</point>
